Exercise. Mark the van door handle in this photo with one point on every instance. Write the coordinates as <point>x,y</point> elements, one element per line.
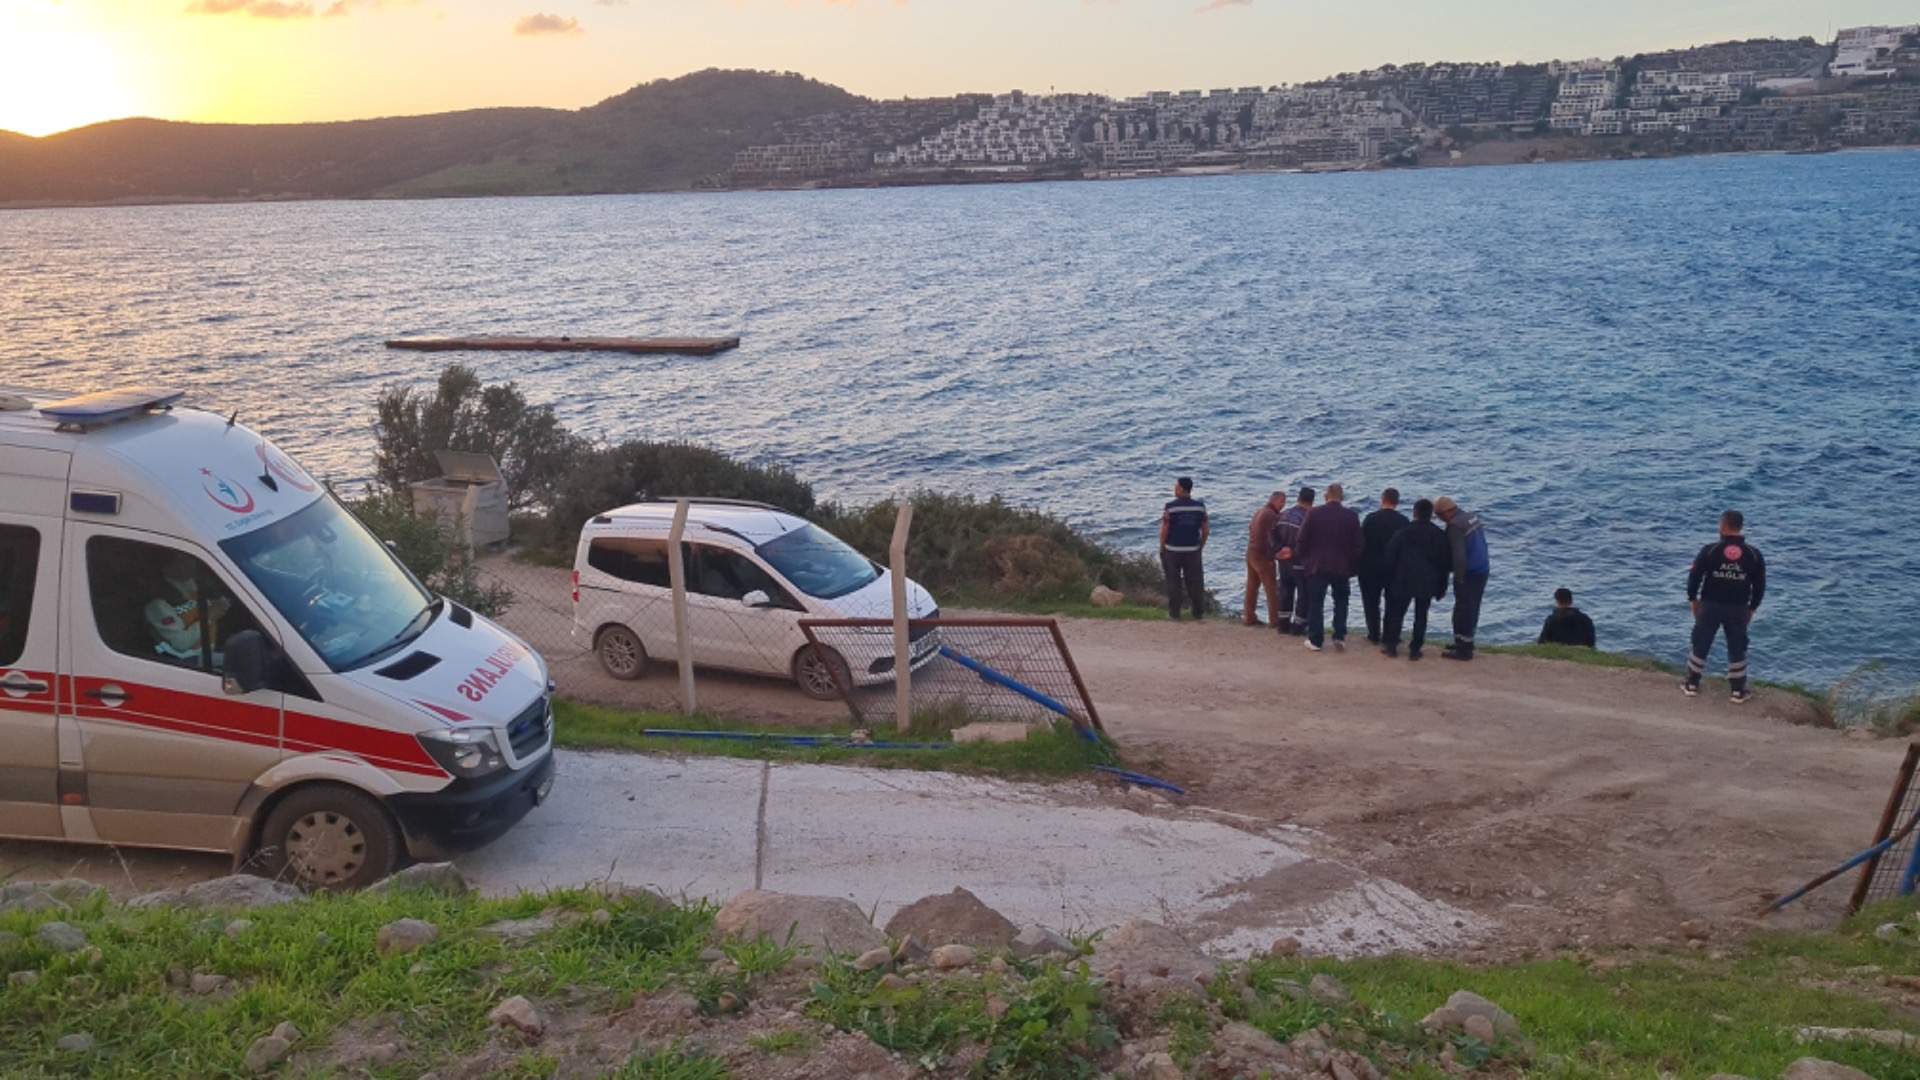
<point>19,682</point>
<point>110,695</point>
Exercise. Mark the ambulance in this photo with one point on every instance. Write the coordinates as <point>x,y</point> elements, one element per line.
<point>202,648</point>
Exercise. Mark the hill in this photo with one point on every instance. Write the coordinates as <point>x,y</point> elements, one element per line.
<point>662,135</point>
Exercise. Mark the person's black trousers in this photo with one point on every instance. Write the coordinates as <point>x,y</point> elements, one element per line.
<point>1396,615</point>
<point>1317,586</point>
<point>1184,573</point>
<point>1467,594</point>
<point>1372,591</point>
<point>1714,618</point>
<point>1293,600</point>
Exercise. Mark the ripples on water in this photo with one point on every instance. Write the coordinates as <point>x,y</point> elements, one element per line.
<point>1597,357</point>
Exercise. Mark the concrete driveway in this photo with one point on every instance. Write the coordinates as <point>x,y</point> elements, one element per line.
<point>1074,857</point>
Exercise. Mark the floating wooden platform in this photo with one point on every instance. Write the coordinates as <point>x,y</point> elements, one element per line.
<point>488,343</point>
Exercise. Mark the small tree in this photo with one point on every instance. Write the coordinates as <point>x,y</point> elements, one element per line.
<point>534,450</point>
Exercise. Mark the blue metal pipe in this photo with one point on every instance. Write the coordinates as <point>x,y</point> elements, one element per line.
<point>1141,778</point>
<point>1020,688</point>
<point>1912,874</point>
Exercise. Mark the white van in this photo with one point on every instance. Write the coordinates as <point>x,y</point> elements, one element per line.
<point>201,648</point>
<point>752,573</point>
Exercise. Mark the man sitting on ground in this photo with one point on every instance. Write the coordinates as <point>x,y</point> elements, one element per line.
<point>1568,625</point>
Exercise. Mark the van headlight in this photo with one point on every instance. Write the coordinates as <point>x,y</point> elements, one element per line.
<point>465,753</point>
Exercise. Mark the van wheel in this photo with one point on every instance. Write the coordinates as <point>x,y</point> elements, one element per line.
<point>815,669</point>
<point>621,653</point>
<point>329,838</point>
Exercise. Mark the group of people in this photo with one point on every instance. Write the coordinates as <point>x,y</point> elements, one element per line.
<point>1299,554</point>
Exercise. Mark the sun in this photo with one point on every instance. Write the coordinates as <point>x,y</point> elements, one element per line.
<point>53,78</point>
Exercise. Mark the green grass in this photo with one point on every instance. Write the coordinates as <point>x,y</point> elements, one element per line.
<point>1060,752</point>
<point>1590,657</point>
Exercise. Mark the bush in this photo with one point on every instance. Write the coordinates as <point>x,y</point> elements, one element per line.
<point>535,452</point>
<point>602,479</point>
<point>430,549</point>
<point>964,545</point>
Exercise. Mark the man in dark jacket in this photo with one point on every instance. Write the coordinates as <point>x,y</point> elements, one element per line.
<point>1183,535</point>
<point>1292,617</point>
<point>1568,625</point>
<point>1467,541</point>
<point>1418,564</point>
<point>1377,530</point>
<point>1262,570</point>
<point>1724,588</point>
<point>1330,546</point>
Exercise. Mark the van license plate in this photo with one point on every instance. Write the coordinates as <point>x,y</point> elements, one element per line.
<point>540,793</point>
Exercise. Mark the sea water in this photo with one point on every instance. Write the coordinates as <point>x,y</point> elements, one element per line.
<point>1595,358</point>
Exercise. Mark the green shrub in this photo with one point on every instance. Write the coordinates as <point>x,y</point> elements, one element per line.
<point>534,451</point>
<point>430,549</point>
<point>601,479</point>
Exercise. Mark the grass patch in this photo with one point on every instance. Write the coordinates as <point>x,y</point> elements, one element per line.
<point>1574,654</point>
<point>1060,752</point>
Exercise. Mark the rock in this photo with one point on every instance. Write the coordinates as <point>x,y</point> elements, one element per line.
<point>1141,946</point>
<point>1888,1037</point>
<point>1341,1070</point>
<point>58,895</point>
<point>1328,990</point>
<point>712,956</point>
<point>232,891</point>
<point>601,917</point>
<point>952,957</point>
<point>1103,597</point>
<point>1248,1043</point>
<point>285,1029</point>
<point>873,958</point>
<point>911,951</point>
<point>1039,943</point>
<point>955,918</point>
<point>821,923</point>
<point>437,877</point>
<point>266,1052</point>
<point>1694,930</point>
<point>519,1014</point>
<point>993,731</point>
<point>891,982</point>
<point>1808,1068</point>
<point>207,984</point>
<point>1468,1004</point>
<point>76,1044</point>
<point>1443,1019</point>
<point>1158,1066</point>
<point>1481,1028</point>
<point>238,927</point>
<point>61,937</point>
<point>1286,946</point>
<point>405,935</point>
<point>23,978</point>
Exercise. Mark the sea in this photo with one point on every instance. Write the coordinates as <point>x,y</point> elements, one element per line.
<point>1595,358</point>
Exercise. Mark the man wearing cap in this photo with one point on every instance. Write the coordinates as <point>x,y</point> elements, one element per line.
<point>1467,541</point>
<point>1330,547</point>
<point>1292,616</point>
<point>1183,533</point>
<point>1261,569</point>
<point>1378,530</point>
<point>1568,625</point>
<point>1724,588</point>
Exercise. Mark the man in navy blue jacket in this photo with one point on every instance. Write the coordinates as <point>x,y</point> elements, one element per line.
<point>1183,533</point>
<point>1724,588</point>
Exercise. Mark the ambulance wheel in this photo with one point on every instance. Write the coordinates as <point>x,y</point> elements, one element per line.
<point>816,668</point>
<point>329,839</point>
<point>621,653</point>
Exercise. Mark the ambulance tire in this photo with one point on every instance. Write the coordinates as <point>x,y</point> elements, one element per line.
<point>347,834</point>
<point>621,653</point>
<point>820,672</point>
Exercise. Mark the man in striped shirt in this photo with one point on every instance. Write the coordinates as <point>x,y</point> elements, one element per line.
<point>1183,534</point>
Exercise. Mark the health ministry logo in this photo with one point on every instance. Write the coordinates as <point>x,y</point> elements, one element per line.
<point>229,495</point>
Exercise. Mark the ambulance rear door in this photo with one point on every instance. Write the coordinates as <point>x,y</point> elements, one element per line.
<point>32,497</point>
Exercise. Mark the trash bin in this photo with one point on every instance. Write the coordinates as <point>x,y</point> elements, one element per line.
<point>469,497</point>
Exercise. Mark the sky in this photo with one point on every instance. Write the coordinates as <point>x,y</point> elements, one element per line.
<point>68,63</point>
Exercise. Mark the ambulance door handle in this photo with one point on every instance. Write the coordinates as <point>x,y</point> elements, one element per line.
<point>110,695</point>
<point>19,682</point>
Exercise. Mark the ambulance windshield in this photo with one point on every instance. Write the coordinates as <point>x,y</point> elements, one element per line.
<point>337,585</point>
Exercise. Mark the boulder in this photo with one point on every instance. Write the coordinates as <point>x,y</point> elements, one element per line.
<point>1808,1068</point>
<point>821,923</point>
<point>1328,990</point>
<point>57,895</point>
<point>955,918</point>
<point>1480,1028</point>
<point>518,1014</point>
<point>873,958</point>
<point>952,957</point>
<point>1250,1046</point>
<point>61,937</point>
<point>1040,943</point>
<point>1145,948</point>
<point>1103,597</point>
<point>405,935</point>
<point>1466,1004</point>
<point>1284,947</point>
<point>439,877</point>
<point>232,891</point>
<point>266,1052</point>
<point>207,984</point>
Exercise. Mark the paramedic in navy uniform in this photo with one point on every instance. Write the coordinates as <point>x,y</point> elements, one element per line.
<point>1183,533</point>
<point>1724,589</point>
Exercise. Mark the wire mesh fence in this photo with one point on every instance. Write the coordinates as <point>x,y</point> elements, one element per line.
<point>1896,871</point>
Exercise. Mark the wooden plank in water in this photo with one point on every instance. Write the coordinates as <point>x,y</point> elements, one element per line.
<point>490,343</point>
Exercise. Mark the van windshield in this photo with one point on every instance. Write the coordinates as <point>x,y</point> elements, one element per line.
<point>818,563</point>
<point>337,585</point>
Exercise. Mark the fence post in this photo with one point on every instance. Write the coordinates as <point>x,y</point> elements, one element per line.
<point>902,649</point>
<point>677,577</point>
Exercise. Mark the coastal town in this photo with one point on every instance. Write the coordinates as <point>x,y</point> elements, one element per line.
<point>1861,89</point>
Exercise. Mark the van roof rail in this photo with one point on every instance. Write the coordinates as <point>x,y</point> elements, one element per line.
<point>109,406</point>
<point>716,502</point>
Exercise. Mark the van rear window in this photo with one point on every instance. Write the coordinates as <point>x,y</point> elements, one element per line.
<point>643,562</point>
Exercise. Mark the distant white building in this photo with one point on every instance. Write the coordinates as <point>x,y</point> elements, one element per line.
<point>1862,51</point>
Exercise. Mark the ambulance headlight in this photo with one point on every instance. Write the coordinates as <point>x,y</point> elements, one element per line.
<point>465,753</point>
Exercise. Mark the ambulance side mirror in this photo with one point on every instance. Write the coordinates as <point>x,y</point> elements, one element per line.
<point>245,660</point>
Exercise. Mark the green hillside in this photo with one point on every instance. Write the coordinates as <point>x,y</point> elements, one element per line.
<point>663,135</point>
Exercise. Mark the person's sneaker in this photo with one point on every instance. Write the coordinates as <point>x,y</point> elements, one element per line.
<point>1309,644</point>
<point>1390,651</point>
<point>1339,644</point>
<point>1690,689</point>
<point>1741,697</point>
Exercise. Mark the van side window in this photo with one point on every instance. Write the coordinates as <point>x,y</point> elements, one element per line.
<point>19,564</point>
<point>162,604</point>
<point>643,562</point>
<point>729,575</point>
